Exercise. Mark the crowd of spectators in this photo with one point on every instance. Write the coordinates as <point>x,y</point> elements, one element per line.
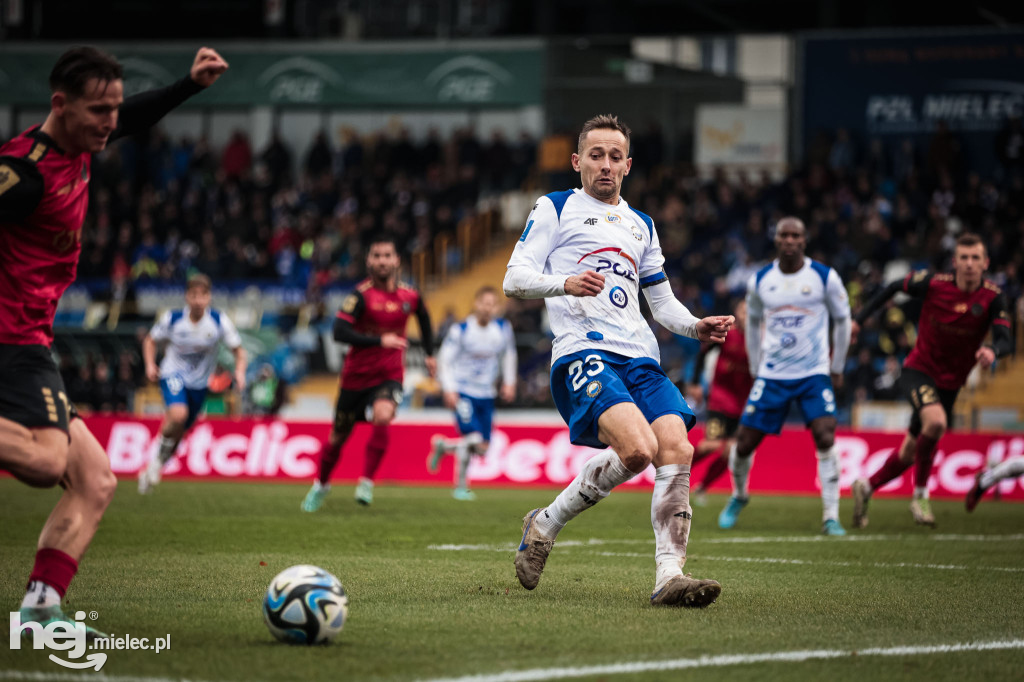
<point>160,208</point>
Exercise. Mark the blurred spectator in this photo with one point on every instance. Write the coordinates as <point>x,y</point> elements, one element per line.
<point>266,394</point>
<point>237,158</point>
<point>319,158</point>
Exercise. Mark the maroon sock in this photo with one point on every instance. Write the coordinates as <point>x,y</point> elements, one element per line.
<point>717,468</point>
<point>923,459</point>
<point>375,448</point>
<point>891,469</point>
<point>55,568</point>
<point>329,456</point>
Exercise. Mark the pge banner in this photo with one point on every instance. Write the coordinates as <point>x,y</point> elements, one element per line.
<point>520,456</point>
<point>901,86</point>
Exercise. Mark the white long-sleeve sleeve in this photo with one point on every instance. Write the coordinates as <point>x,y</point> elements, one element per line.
<point>523,282</point>
<point>752,340</point>
<point>669,312</point>
<point>841,329</point>
<point>447,358</point>
<point>510,358</point>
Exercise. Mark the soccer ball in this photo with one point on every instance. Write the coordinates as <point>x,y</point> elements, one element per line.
<point>305,605</point>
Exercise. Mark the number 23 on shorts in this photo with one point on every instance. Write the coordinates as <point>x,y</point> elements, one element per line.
<point>579,370</point>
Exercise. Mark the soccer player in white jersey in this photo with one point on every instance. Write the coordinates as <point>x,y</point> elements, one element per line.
<point>192,336</point>
<point>589,255</point>
<point>789,303</point>
<point>473,354</point>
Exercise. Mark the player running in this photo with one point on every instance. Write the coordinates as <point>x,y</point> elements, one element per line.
<point>192,337</point>
<point>730,387</point>
<point>44,194</point>
<point>589,255</point>
<point>372,320</point>
<point>473,354</point>
<point>959,309</point>
<point>789,304</point>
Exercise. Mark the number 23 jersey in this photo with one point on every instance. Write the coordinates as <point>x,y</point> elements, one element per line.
<point>570,232</point>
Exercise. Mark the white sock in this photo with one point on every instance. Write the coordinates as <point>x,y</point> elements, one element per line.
<point>670,518</point>
<point>167,449</point>
<point>40,595</point>
<point>595,481</point>
<point>920,493</point>
<point>318,486</point>
<point>462,455</point>
<point>739,468</point>
<point>1011,468</point>
<point>828,474</point>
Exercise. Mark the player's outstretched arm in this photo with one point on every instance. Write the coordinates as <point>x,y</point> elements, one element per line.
<point>715,328</point>
<point>674,316</point>
<point>241,362</point>
<point>143,110</point>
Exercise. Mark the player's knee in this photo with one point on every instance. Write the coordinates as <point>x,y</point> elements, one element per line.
<point>638,454</point>
<point>100,487</point>
<point>177,415</point>
<point>825,440</point>
<point>934,427</point>
<point>49,469</point>
<point>49,461</point>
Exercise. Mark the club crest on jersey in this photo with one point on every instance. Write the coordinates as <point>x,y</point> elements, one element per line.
<point>977,309</point>
<point>637,233</point>
<point>593,388</point>
<point>618,297</point>
<point>805,290</point>
<point>406,307</point>
<point>613,218</point>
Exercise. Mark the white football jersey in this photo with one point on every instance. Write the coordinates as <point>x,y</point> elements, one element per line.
<point>794,311</point>
<point>473,356</point>
<point>570,232</point>
<point>192,347</point>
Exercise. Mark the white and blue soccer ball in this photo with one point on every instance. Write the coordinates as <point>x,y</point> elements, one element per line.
<point>305,605</point>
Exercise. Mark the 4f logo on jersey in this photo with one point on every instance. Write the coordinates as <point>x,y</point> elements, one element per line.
<point>590,221</point>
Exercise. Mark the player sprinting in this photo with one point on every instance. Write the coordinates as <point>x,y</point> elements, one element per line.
<point>729,389</point>
<point>473,355</point>
<point>958,311</point>
<point>589,255</point>
<point>192,337</point>
<point>985,479</point>
<point>372,320</point>
<point>44,194</point>
<point>789,304</point>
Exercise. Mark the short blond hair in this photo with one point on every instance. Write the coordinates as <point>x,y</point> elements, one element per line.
<point>603,121</point>
<point>200,281</point>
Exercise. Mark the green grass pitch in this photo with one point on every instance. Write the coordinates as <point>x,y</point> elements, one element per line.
<point>193,560</point>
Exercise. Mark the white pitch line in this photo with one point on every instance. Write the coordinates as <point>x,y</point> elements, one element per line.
<point>742,540</point>
<point>845,564</point>
<point>728,660</point>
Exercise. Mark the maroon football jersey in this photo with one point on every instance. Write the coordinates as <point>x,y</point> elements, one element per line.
<point>952,326</point>
<point>39,255</point>
<point>732,381</point>
<point>375,312</point>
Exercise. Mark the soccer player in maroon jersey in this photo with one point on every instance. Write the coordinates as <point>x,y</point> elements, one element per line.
<point>372,320</point>
<point>44,181</point>
<point>958,310</point>
<point>730,387</point>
